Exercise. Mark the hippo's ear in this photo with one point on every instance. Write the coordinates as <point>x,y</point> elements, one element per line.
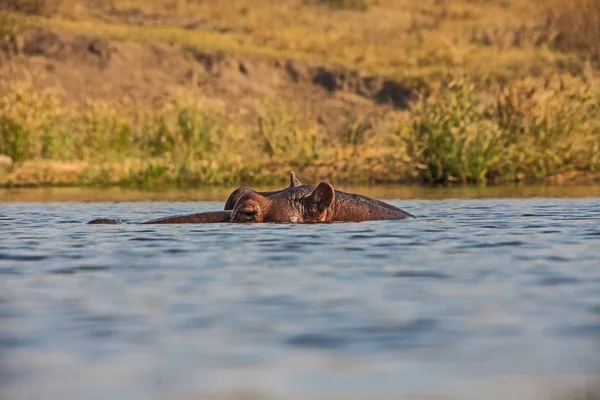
<point>235,196</point>
<point>293,180</point>
<point>323,195</point>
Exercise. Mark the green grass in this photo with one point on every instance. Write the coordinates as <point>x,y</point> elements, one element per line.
<point>528,130</point>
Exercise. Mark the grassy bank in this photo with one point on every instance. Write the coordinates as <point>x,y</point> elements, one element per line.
<point>184,142</point>
<point>508,93</point>
<point>528,130</point>
<point>407,39</point>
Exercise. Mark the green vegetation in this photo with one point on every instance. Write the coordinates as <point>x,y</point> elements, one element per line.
<point>124,143</point>
<point>510,94</point>
<point>8,29</point>
<point>527,130</point>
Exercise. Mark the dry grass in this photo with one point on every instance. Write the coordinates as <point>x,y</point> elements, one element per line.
<point>510,95</point>
<point>47,8</point>
<point>404,39</point>
<point>531,129</point>
<point>577,22</point>
<point>358,5</point>
<point>183,142</point>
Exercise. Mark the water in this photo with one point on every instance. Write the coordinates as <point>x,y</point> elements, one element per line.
<point>477,298</point>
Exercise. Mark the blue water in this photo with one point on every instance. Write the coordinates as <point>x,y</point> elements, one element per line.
<point>474,299</point>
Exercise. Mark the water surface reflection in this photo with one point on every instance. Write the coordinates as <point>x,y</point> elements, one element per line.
<point>475,298</point>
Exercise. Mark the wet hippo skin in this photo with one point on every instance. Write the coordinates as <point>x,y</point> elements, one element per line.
<point>105,221</point>
<point>242,191</point>
<point>205,217</point>
<point>197,218</point>
<point>295,204</point>
<point>310,204</point>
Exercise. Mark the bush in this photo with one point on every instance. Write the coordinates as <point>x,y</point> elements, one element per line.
<point>28,123</point>
<point>550,125</point>
<point>450,139</point>
<point>286,139</point>
<point>527,129</point>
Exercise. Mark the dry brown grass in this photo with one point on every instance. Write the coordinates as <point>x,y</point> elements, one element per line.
<point>47,8</point>
<point>530,129</point>
<point>408,38</point>
<point>499,122</point>
<point>577,23</point>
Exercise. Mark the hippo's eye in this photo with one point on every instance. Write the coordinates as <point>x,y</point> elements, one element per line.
<point>249,213</point>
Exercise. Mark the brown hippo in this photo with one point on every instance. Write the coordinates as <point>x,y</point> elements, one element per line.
<point>240,192</point>
<point>206,217</point>
<point>197,218</point>
<point>309,204</point>
<point>296,204</point>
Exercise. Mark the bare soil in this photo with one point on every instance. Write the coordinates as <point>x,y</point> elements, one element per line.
<point>82,67</point>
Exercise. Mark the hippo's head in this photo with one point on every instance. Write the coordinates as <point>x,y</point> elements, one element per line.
<point>301,204</point>
<point>242,191</point>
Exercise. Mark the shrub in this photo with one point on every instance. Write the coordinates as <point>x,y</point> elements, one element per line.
<point>550,125</point>
<point>450,139</point>
<point>28,122</point>
<point>526,129</point>
<point>286,139</point>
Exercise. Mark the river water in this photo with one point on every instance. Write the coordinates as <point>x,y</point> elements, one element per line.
<point>485,295</point>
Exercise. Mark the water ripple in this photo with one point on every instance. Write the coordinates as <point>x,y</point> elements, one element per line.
<point>472,288</point>
<point>23,257</point>
<point>73,270</point>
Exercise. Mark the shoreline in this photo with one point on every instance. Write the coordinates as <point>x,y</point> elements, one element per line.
<point>52,174</point>
<point>218,193</point>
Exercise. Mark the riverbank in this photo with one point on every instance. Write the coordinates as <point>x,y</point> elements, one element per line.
<point>219,194</point>
<point>206,94</point>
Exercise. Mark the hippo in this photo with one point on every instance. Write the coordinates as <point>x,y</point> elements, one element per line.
<point>205,217</point>
<point>240,192</point>
<point>310,204</point>
<point>297,203</point>
<point>197,218</point>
